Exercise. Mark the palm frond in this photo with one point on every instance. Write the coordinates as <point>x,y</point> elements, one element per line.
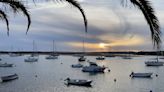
<point>149,14</point>
<point>18,6</point>
<point>77,5</point>
<point>3,16</point>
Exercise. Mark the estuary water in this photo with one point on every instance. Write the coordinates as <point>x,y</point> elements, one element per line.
<point>48,75</point>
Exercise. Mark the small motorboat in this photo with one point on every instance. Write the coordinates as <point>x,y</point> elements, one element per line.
<point>52,57</point>
<point>5,65</point>
<point>78,82</point>
<point>31,59</point>
<point>141,75</point>
<point>9,78</point>
<point>100,58</point>
<point>82,59</point>
<point>77,66</point>
<point>154,63</point>
<point>93,68</point>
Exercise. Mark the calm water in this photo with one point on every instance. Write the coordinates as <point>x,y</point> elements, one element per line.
<point>51,75</point>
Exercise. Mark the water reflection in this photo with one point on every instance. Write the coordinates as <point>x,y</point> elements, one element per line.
<point>48,75</point>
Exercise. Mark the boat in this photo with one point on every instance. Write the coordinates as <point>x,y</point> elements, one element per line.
<point>77,66</point>
<point>14,54</point>
<point>9,78</point>
<point>154,62</point>
<point>141,75</point>
<point>100,58</point>
<point>78,82</point>
<point>53,55</point>
<point>82,59</point>
<point>5,65</point>
<point>93,68</point>
<point>33,57</point>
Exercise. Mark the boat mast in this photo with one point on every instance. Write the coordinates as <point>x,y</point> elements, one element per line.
<point>84,42</point>
<point>33,45</point>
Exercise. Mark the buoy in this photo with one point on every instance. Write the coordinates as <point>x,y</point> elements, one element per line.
<point>156,75</point>
<point>115,80</point>
<point>151,91</point>
<point>108,70</point>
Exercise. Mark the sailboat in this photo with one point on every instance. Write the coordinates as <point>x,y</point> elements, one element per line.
<point>33,57</point>
<point>82,58</point>
<point>154,63</point>
<point>127,56</point>
<point>53,55</point>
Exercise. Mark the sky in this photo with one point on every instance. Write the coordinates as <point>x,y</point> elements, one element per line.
<point>111,27</point>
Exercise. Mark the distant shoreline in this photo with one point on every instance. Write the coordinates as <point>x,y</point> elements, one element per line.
<point>161,53</point>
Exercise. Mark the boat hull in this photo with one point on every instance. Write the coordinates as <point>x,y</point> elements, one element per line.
<point>141,75</point>
<point>6,65</point>
<point>77,66</point>
<point>93,69</point>
<point>154,63</point>
<point>79,82</point>
<point>9,78</point>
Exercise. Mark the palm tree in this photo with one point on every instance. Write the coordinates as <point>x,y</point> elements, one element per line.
<point>144,5</point>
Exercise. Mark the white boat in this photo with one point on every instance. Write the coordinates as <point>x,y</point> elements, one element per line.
<point>53,55</point>
<point>93,68</point>
<point>141,75</point>
<point>154,63</point>
<point>77,66</point>
<point>78,82</point>
<point>82,57</point>
<point>14,55</point>
<point>31,59</point>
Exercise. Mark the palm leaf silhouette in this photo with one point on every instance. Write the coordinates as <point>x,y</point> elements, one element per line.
<point>149,14</point>
<point>17,6</point>
<point>3,16</point>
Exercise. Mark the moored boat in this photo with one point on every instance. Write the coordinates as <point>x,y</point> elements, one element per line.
<point>82,59</point>
<point>52,57</point>
<point>93,68</point>
<point>77,66</point>
<point>31,59</point>
<point>141,75</point>
<point>100,58</point>
<point>9,78</point>
<point>5,65</point>
<point>78,82</point>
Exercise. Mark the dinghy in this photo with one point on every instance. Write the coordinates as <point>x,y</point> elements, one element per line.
<point>77,66</point>
<point>141,75</point>
<point>78,82</point>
